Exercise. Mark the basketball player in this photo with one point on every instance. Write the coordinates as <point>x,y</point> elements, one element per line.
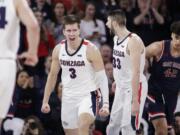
<point>164,81</point>
<point>81,63</point>
<point>11,12</point>
<point>131,84</point>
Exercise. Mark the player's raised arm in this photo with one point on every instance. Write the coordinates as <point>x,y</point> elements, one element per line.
<point>28,19</point>
<point>52,78</point>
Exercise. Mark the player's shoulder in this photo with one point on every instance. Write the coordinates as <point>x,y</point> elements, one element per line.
<point>115,38</point>
<point>91,48</point>
<point>135,37</point>
<point>135,43</point>
<point>62,42</point>
<point>158,45</point>
<point>89,44</point>
<point>59,45</point>
<point>135,40</point>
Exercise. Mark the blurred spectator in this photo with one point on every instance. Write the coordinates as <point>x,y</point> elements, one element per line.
<point>12,126</point>
<point>75,7</point>
<point>25,96</point>
<point>149,20</point>
<point>40,83</point>
<point>104,6</point>
<point>127,7</point>
<point>92,28</point>
<point>47,43</point>
<point>102,9</point>
<point>52,121</point>
<point>93,131</point>
<point>59,12</point>
<point>109,72</point>
<point>173,8</point>
<point>32,126</point>
<point>106,52</point>
<point>17,126</point>
<point>44,7</point>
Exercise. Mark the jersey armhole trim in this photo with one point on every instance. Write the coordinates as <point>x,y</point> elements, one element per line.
<point>162,51</point>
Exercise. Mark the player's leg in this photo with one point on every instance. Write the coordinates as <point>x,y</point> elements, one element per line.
<point>115,121</point>
<point>85,121</point>
<point>177,116</point>
<point>69,113</point>
<point>7,82</point>
<point>156,110</point>
<point>160,125</point>
<point>71,131</point>
<point>128,130</point>
<point>171,101</point>
<point>86,113</point>
<point>127,119</point>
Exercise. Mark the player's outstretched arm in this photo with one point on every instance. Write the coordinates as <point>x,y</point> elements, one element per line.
<point>51,80</point>
<point>33,31</point>
<point>95,58</point>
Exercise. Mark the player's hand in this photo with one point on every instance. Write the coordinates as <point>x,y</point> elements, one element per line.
<point>45,108</point>
<point>135,107</point>
<point>104,111</point>
<point>30,59</point>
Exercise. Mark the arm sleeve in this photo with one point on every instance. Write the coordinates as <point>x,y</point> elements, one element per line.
<point>102,83</point>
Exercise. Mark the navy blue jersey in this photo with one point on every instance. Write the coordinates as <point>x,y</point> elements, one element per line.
<point>165,73</point>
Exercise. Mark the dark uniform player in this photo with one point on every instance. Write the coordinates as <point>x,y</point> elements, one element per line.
<point>164,81</point>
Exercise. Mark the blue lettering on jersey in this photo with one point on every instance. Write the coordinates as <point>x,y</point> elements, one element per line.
<point>3,21</point>
<point>72,63</point>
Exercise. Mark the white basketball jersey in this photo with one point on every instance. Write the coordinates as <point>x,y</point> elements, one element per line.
<point>9,29</point>
<point>122,68</point>
<point>78,76</point>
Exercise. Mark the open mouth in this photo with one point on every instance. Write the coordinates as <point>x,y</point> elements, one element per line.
<point>72,39</point>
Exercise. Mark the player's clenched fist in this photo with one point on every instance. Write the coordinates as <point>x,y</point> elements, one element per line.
<point>45,108</point>
<point>104,111</point>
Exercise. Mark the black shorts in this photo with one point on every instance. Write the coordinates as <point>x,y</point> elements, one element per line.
<point>161,103</point>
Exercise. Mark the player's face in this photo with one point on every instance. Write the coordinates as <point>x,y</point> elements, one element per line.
<point>71,32</point>
<point>109,24</point>
<point>176,41</point>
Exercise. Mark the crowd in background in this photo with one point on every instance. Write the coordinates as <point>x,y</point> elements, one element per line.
<point>150,19</point>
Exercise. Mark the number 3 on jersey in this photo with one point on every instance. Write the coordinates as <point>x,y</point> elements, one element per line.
<point>73,73</point>
<point>3,21</point>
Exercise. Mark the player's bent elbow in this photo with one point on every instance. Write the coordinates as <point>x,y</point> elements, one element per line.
<point>34,26</point>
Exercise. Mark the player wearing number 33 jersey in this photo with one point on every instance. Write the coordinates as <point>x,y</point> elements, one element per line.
<point>131,84</point>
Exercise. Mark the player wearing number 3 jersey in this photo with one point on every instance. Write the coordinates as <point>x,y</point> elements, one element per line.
<point>82,74</point>
<point>131,84</point>
<point>11,13</point>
